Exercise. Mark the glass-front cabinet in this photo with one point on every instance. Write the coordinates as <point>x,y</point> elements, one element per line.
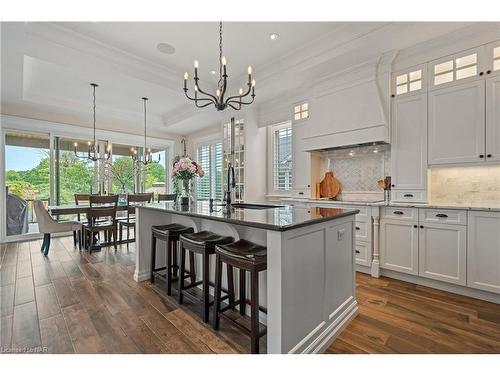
<point>234,152</point>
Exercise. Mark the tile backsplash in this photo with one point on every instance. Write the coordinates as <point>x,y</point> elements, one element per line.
<point>464,185</point>
<point>359,168</point>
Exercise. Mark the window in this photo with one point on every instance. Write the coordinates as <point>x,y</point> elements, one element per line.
<point>73,175</point>
<point>155,173</point>
<point>301,111</point>
<point>27,177</point>
<point>282,151</point>
<point>496,58</point>
<point>121,172</point>
<point>455,69</point>
<point>209,156</point>
<point>409,82</point>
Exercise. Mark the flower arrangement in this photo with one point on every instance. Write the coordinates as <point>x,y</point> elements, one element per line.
<point>184,170</point>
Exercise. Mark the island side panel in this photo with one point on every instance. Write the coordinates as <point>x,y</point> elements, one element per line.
<point>310,285</point>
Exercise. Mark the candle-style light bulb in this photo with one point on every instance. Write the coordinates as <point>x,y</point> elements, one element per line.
<point>249,70</point>
<point>223,60</point>
<point>186,76</point>
<point>196,64</point>
<point>75,144</point>
<point>241,91</point>
<point>217,92</point>
<point>196,88</point>
<point>89,143</point>
<point>253,83</point>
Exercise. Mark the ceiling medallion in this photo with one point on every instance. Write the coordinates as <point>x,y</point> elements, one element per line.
<point>203,99</point>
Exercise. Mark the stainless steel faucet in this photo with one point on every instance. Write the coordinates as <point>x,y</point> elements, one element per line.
<point>231,183</point>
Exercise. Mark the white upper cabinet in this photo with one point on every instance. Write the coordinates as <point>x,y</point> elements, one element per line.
<point>493,118</point>
<point>409,81</point>
<point>456,69</point>
<point>301,162</point>
<point>492,53</point>
<point>409,142</point>
<point>457,124</point>
<point>483,251</point>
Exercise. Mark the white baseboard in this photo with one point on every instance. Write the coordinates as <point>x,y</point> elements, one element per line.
<point>447,287</point>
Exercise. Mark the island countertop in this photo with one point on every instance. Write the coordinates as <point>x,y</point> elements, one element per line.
<point>280,218</point>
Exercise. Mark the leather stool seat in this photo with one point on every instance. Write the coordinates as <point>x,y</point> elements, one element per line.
<point>205,239</point>
<point>171,230</point>
<point>244,250</point>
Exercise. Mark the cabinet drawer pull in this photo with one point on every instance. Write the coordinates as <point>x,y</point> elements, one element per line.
<point>415,226</point>
<point>481,156</point>
<point>301,193</point>
<point>358,228</point>
<point>441,215</point>
<point>398,212</point>
<point>357,251</point>
<point>489,156</point>
<point>408,195</point>
<point>422,227</point>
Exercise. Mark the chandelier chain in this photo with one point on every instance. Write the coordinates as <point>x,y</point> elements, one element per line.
<point>93,96</point>
<point>220,56</point>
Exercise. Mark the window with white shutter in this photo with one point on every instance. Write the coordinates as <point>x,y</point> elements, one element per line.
<point>282,157</point>
<point>209,156</point>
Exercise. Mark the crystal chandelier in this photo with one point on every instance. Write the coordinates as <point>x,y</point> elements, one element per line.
<point>147,157</point>
<point>219,100</point>
<point>93,152</point>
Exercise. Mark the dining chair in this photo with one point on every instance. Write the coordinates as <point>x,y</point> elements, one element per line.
<point>79,200</point>
<point>129,221</point>
<point>48,225</point>
<point>167,197</point>
<point>101,207</point>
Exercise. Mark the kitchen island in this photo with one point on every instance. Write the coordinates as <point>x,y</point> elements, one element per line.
<point>309,285</point>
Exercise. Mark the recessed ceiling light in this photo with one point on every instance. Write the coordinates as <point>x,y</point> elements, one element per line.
<point>166,48</point>
<point>273,36</point>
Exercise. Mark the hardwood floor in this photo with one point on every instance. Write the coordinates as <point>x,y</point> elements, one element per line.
<point>73,302</point>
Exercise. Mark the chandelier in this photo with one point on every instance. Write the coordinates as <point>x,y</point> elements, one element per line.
<point>147,157</point>
<point>93,152</point>
<point>219,100</point>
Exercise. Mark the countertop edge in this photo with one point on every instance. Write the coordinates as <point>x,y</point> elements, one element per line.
<point>275,228</point>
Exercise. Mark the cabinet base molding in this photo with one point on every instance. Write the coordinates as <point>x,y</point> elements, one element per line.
<point>363,269</point>
<point>457,289</point>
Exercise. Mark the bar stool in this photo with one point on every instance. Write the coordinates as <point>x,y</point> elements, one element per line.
<point>203,243</point>
<point>170,234</point>
<point>248,257</point>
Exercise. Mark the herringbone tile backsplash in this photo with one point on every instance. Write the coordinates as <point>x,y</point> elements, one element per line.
<point>359,168</point>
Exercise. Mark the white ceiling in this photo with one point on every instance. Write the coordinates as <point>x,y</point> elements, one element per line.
<point>46,67</point>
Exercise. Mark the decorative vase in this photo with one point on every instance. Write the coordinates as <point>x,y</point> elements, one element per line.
<point>186,197</point>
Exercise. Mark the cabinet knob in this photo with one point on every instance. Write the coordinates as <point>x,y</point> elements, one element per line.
<point>489,156</point>
<point>421,226</point>
<point>392,185</point>
<point>481,73</point>
<point>357,251</point>
<point>301,193</point>
<point>358,228</point>
<point>481,156</point>
<point>488,71</point>
<point>415,226</point>
<point>393,96</point>
<point>398,212</point>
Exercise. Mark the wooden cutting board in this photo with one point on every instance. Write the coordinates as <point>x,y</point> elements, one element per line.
<point>329,187</point>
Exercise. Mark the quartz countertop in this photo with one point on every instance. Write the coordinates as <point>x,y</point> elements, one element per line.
<point>472,206</point>
<point>276,218</point>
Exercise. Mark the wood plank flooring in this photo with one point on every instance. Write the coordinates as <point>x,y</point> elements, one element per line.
<point>73,302</point>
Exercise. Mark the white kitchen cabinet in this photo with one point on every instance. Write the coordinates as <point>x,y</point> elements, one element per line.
<point>492,52</point>
<point>399,246</point>
<point>457,124</point>
<point>493,118</point>
<point>363,253</point>
<point>442,252</point>
<point>483,252</point>
<point>409,144</point>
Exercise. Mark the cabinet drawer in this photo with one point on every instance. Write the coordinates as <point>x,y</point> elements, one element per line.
<point>433,215</point>
<point>417,196</point>
<point>400,213</point>
<point>362,232</point>
<point>363,253</point>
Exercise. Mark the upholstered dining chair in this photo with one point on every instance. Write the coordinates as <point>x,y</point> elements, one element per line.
<point>47,225</point>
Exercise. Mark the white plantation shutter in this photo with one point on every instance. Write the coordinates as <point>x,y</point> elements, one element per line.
<point>282,157</point>
<point>209,156</point>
